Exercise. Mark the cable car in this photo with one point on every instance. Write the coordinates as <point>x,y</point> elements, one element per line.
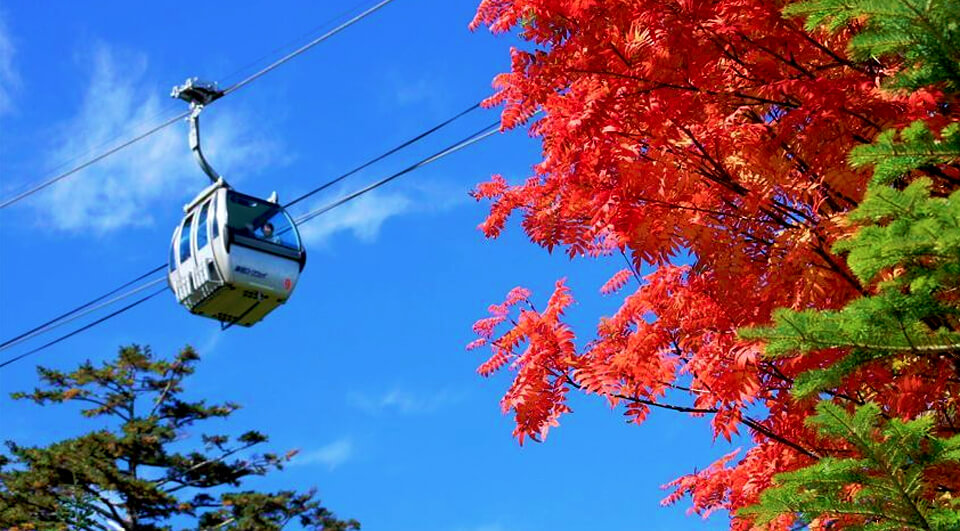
<point>234,257</point>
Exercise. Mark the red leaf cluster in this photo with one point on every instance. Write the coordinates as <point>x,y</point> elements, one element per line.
<point>711,129</point>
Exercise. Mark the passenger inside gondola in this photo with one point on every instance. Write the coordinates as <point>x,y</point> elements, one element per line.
<point>267,233</point>
<point>254,218</point>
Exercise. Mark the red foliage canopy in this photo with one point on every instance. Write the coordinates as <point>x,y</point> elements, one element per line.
<point>717,128</point>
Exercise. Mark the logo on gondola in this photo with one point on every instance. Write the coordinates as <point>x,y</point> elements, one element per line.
<point>252,272</point>
<point>287,284</point>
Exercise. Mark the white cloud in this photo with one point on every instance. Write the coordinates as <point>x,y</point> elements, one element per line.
<point>9,78</point>
<point>123,189</point>
<point>363,217</point>
<point>402,402</point>
<point>332,455</point>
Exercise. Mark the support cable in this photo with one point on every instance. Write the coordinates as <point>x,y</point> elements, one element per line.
<point>256,75</point>
<point>169,108</point>
<point>36,188</point>
<point>472,139</point>
<point>386,154</point>
<point>281,49</point>
<point>482,134</point>
<point>83,328</point>
<point>36,330</point>
<point>46,325</point>
<point>90,309</point>
<point>236,86</point>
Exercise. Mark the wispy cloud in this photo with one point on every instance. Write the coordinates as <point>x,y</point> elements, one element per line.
<point>120,190</point>
<point>366,215</point>
<point>332,455</point>
<point>9,77</point>
<point>362,217</point>
<point>402,401</point>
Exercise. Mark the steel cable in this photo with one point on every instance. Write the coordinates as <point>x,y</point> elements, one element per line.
<point>81,329</point>
<point>236,86</point>
<point>482,134</point>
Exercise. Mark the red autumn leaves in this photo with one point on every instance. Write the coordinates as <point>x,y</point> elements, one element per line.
<point>717,130</point>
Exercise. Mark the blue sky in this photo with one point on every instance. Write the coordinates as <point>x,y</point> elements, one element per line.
<point>364,369</point>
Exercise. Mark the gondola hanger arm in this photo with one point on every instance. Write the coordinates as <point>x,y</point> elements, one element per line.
<point>198,94</point>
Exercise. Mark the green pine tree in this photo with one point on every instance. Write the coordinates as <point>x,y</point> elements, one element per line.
<point>881,485</point>
<point>906,254</point>
<point>138,473</point>
<point>911,314</point>
<point>910,216</point>
<point>895,154</point>
<point>922,34</point>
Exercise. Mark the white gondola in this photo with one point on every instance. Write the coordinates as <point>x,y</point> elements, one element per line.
<point>234,258</point>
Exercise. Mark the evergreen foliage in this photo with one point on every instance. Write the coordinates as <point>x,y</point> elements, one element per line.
<point>914,312</point>
<point>881,485</point>
<point>895,154</point>
<point>878,473</point>
<point>924,34</point>
<point>133,474</point>
<point>723,132</point>
<point>908,249</point>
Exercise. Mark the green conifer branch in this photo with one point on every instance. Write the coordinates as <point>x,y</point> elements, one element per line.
<point>881,486</point>
<point>133,474</point>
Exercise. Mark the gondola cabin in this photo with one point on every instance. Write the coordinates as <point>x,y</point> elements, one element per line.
<point>234,257</point>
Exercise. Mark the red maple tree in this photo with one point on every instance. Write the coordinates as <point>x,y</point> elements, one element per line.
<point>707,138</point>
